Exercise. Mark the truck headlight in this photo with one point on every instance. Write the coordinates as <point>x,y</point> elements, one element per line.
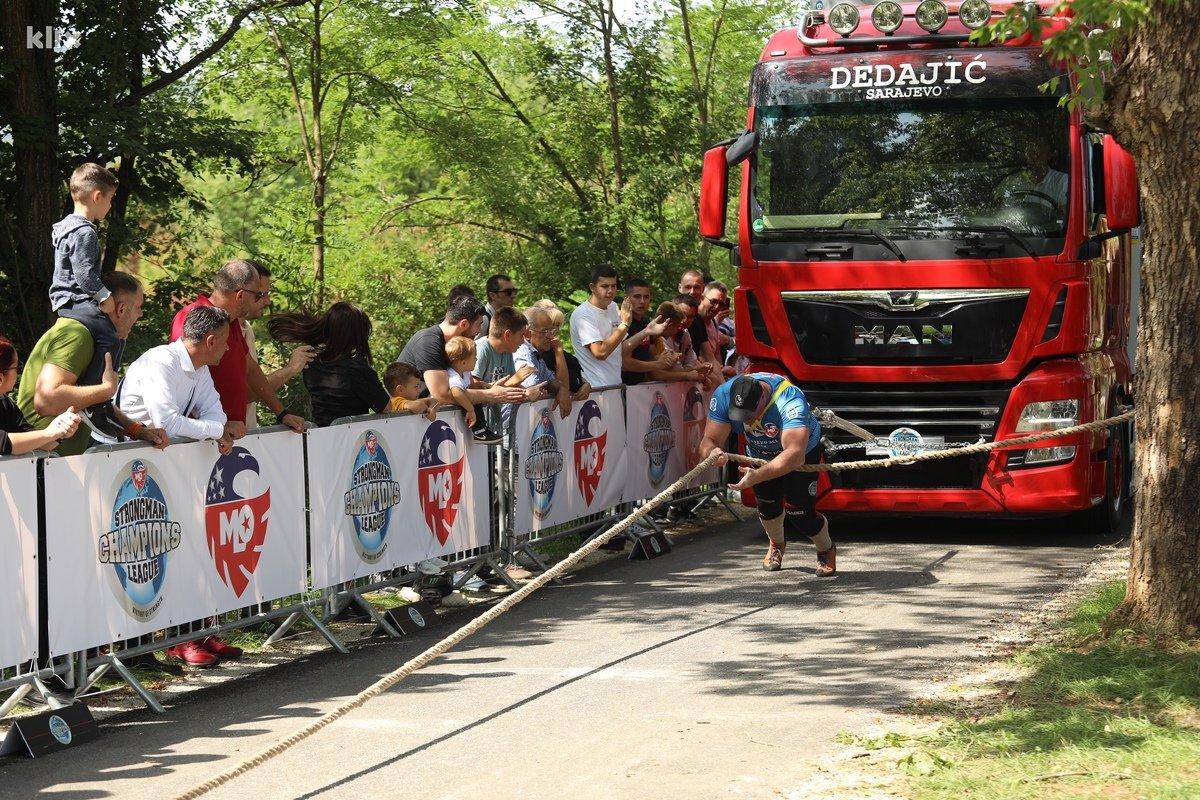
<point>1048,415</point>
<point>887,16</point>
<point>974,14</point>
<point>932,15</point>
<point>1049,455</point>
<point>843,18</point>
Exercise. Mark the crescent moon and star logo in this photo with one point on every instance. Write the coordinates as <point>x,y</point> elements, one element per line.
<point>591,439</point>
<point>237,510</point>
<point>440,478</point>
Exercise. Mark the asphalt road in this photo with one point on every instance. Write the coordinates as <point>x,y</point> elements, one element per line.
<point>695,675</point>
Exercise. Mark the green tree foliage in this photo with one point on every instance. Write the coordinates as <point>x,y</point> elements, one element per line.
<point>475,141</point>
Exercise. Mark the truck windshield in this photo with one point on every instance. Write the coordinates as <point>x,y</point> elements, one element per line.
<point>913,168</point>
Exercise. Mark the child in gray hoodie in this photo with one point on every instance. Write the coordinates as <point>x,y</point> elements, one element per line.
<point>76,291</point>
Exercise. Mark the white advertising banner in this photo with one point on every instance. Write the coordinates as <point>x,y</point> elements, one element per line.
<point>393,491</point>
<point>568,468</point>
<point>18,567</point>
<point>664,423</point>
<point>141,539</point>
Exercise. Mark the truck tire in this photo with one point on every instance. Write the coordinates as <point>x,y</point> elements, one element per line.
<point>1109,518</point>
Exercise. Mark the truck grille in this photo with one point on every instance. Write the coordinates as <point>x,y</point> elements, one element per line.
<point>956,412</point>
<point>905,327</point>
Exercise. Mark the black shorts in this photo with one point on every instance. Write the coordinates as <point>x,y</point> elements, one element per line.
<point>795,495</point>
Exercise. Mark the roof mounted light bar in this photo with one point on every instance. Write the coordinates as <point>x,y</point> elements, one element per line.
<point>887,16</point>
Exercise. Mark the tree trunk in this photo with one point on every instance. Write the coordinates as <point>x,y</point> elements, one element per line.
<point>1155,115</point>
<point>117,234</point>
<point>693,68</point>
<point>32,94</point>
<point>608,19</point>
<point>318,253</point>
<point>320,174</point>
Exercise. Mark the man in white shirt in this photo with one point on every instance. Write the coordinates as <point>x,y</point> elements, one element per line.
<point>170,387</point>
<point>598,328</point>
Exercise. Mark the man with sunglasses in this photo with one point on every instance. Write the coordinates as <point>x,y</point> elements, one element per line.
<point>714,309</point>
<point>501,293</point>
<point>239,291</point>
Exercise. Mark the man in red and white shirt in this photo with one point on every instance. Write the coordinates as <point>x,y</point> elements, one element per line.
<point>237,292</point>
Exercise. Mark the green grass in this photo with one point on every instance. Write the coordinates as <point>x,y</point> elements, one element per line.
<point>1094,717</point>
<point>553,552</point>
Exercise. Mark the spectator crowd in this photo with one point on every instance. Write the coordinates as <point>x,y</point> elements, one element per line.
<point>482,356</point>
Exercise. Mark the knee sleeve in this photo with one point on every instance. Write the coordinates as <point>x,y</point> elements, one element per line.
<point>769,507</point>
<point>802,521</point>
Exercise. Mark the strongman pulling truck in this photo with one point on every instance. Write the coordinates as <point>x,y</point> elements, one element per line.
<point>935,247</point>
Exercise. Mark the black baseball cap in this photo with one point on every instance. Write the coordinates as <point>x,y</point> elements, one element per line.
<point>744,396</point>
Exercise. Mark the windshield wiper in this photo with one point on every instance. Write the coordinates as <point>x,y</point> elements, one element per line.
<point>871,233</point>
<point>1006,230</point>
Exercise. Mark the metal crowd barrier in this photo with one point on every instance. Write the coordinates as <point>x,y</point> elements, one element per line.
<point>509,493</point>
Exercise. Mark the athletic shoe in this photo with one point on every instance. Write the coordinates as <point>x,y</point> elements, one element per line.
<point>517,572</point>
<point>192,654</point>
<point>455,600</point>
<point>150,663</point>
<point>827,562</point>
<point>485,435</point>
<point>774,559</point>
<point>217,647</point>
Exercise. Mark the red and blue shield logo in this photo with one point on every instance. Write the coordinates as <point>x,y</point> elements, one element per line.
<point>237,510</point>
<point>591,439</point>
<point>440,478</point>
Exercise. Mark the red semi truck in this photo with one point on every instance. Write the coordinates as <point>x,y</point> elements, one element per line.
<point>937,249</point>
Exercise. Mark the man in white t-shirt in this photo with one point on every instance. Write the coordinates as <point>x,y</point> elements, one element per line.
<point>598,330</point>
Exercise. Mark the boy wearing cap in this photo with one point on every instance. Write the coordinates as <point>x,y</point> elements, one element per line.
<point>779,427</point>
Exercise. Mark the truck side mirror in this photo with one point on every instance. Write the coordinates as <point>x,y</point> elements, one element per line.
<point>1120,187</point>
<point>714,182</point>
<point>713,189</point>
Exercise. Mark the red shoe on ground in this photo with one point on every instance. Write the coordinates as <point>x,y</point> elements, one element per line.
<point>192,654</point>
<point>214,645</point>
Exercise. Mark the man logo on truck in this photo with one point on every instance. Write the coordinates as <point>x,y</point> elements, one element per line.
<point>904,334</point>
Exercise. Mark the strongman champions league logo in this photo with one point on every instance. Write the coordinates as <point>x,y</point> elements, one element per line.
<point>590,440</point>
<point>372,496</point>
<point>440,479</point>
<point>659,440</point>
<point>543,465</point>
<point>237,508</point>
<point>139,542</point>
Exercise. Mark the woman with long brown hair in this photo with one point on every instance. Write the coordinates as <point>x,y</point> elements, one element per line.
<point>341,380</point>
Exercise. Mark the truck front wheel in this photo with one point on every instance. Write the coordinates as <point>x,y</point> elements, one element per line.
<point>1109,517</point>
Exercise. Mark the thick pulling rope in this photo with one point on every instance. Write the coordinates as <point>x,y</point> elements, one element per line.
<point>937,455</point>
<point>392,678</point>
<point>442,647</point>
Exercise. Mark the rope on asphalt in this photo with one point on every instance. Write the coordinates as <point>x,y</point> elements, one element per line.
<point>475,625</point>
<point>411,666</point>
<point>937,455</point>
